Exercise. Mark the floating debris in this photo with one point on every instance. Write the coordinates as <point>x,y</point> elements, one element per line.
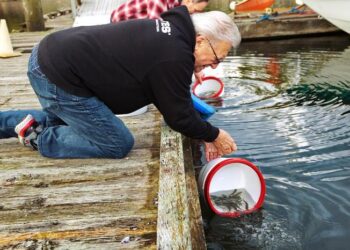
<point>125,240</point>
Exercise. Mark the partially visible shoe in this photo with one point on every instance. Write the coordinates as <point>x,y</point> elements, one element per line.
<point>28,130</point>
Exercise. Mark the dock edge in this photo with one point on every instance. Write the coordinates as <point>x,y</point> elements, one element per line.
<point>180,224</point>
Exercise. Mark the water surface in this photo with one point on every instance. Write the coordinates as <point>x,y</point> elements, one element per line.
<point>287,104</point>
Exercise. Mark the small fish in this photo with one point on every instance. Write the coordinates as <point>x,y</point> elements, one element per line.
<point>232,202</point>
<point>207,94</point>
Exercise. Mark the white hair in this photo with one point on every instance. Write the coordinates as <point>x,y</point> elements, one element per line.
<point>216,26</point>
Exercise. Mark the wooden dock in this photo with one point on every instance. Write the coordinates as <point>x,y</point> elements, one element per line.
<point>148,200</point>
<point>283,26</point>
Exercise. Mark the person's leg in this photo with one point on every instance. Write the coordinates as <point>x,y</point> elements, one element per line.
<point>90,128</point>
<point>9,120</point>
<point>92,131</point>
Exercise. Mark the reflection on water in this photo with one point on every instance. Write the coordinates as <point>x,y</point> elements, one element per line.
<point>287,104</point>
<point>319,88</point>
<point>236,200</point>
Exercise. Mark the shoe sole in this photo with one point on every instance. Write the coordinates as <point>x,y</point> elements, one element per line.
<point>22,127</point>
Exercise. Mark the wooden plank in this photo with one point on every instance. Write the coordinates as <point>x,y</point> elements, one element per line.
<point>173,228</point>
<point>106,233</point>
<point>76,203</point>
<point>91,202</point>
<point>33,13</point>
<point>283,27</point>
<point>73,4</point>
<point>179,225</point>
<point>195,214</point>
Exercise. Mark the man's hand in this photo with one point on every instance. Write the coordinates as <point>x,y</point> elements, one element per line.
<point>224,143</point>
<point>199,76</point>
<point>211,152</point>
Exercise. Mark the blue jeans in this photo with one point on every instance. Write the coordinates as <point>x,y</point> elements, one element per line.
<point>74,126</point>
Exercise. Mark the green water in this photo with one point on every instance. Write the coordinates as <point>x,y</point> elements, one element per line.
<point>287,105</point>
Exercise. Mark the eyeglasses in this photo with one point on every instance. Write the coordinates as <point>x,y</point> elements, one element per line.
<point>217,60</point>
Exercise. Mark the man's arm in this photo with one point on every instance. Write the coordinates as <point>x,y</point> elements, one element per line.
<point>171,90</point>
<point>170,84</point>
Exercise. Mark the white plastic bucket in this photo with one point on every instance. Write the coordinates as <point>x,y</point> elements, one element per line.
<point>136,112</point>
<point>211,87</point>
<point>232,186</point>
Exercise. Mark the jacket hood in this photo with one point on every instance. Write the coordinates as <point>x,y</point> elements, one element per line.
<point>181,19</point>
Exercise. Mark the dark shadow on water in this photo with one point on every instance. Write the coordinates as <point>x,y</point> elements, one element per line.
<point>319,94</point>
<point>240,233</point>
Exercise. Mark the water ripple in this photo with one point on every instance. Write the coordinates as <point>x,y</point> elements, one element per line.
<point>322,172</point>
<point>287,107</point>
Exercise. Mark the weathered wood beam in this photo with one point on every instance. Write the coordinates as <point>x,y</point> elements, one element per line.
<point>177,227</point>
<point>196,220</point>
<point>74,7</point>
<point>33,13</point>
<point>283,27</point>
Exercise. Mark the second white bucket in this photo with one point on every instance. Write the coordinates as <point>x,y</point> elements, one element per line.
<point>210,87</point>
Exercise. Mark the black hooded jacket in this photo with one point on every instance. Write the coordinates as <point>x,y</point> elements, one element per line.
<point>130,64</point>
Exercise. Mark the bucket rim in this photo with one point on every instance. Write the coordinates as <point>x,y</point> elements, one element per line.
<point>217,94</point>
<point>222,164</point>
